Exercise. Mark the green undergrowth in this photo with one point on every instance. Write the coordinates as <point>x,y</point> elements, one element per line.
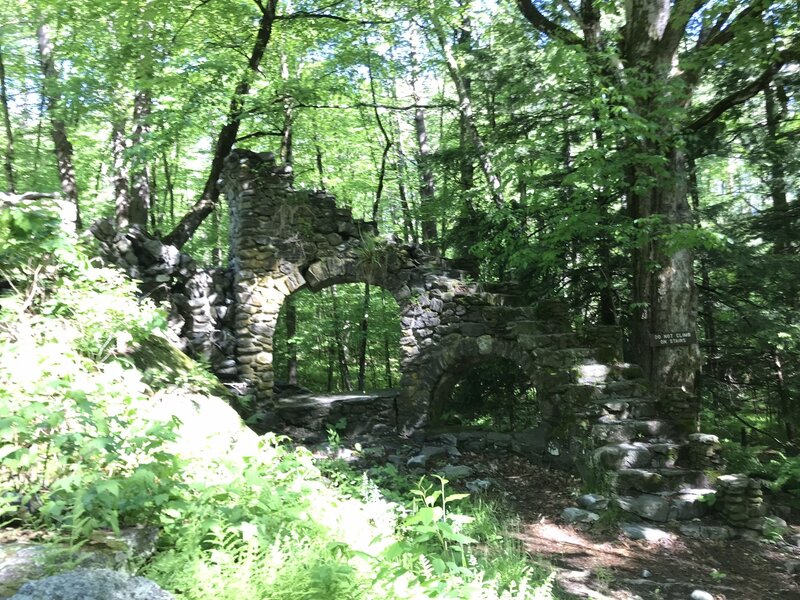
<point>82,450</point>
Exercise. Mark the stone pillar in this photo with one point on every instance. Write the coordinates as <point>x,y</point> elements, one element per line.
<point>741,501</point>
<point>263,276</point>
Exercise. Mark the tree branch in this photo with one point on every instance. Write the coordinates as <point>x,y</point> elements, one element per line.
<point>371,105</point>
<point>676,26</point>
<point>545,25</point>
<point>720,36</point>
<point>258,134</point>
<point>304,14</point>
<point>742,95</point>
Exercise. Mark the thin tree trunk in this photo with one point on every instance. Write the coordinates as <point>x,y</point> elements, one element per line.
<point>465,107</point>
<point>286,136</point>
<point>341,347</point>
<point>387,146</point>
<point>777,179</point>
<point>386,347</point>
<point>427,190</point>
<point>141,180</point>
<point>227,136</point>
<point>364,334</point>
<point>119,175</point>
<point>785,408</point>
<point>320,169</point>
<point>170,187</point>
<point>8,159</point>
<point>409,231</point>
<point>61,143</point>
<point>156,213</point>
<point>707,305</point>
<point>291,343</point>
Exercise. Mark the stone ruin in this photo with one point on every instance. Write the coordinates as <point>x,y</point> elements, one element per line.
<point>597,412</point>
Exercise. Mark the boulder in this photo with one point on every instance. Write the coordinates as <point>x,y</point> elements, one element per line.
<point>92,584</point>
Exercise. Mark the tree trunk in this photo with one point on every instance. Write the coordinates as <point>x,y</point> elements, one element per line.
<point>467,114</point>
<point>663,284</point>
<point>141,188</point>
<point>170,186</point>
<point>777,175</point>
<point>386,348</point>
<point>119,175</point>
<point>61,143</point>
<point>707,304</point>
<point>341,346</point>
<point>291,343</point>
<point>427,190</point>
<point>287,154</point>
<point>8,159</point>
<point>184,230</point>
<point>363,338</point>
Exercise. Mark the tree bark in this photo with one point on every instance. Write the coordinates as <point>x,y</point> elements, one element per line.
<point>184,230</point>
<point>386,348</point>
<point>8,159</point>
<point>58,129</point>
<point>287,156</point>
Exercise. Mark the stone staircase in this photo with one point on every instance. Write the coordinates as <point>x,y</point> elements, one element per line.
<point>654,472</point>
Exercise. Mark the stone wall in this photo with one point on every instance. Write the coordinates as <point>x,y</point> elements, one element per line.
<point>199,299</point>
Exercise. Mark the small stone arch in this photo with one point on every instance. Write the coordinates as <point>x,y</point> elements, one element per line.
<point>445,367</point>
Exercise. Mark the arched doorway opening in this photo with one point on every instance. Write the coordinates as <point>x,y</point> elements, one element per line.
<point>343,338</point>
<point>485,393</point>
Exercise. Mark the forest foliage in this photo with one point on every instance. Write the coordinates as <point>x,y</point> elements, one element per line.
<point>639,160</point>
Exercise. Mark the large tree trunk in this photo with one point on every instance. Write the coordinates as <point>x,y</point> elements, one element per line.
<point>227,136</point>
<point>8,159</point>
<point>61,143</point>
<point>663,284</point>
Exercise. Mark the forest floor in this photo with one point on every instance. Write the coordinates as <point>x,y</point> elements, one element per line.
<point>602,564</point>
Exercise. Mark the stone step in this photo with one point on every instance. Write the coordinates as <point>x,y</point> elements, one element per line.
<point>547,340</point>
<point>658,480</point>
<point>630,430</point>
<point>626,388</point>
<point>503,287</point>
<point>496,299</point>
<point>688,504</point>
<point>535,327</point>
<point>611,409</point>
<point>632,455</point>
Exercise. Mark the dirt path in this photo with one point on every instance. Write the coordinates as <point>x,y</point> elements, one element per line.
<point>607,565</point>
